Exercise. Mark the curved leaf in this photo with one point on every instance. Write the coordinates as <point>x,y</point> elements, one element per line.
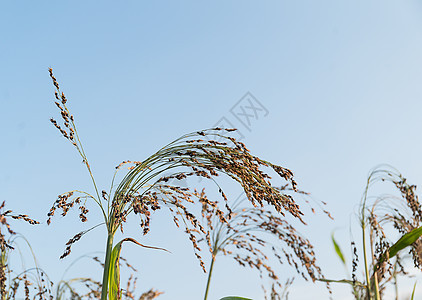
<point>114,273</point>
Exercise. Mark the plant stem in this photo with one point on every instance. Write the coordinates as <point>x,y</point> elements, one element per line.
<point>209,278</point>
<point>363,226</point>
<point>109,249</point>
<point>396,288</point>
<point>377,292</point>
<point>368,282</point>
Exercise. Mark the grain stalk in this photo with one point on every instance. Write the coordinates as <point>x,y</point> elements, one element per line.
<point>145,188</point>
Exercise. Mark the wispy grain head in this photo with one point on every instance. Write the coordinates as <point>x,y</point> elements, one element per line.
<point>255,237</point>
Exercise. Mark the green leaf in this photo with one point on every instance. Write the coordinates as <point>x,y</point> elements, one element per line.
<point>406,240</point>
<point>351,282</point>
<point>338,250</point>
<point>114,275</point>
<point>235,298</point>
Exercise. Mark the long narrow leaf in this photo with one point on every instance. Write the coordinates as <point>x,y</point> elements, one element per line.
<point>114,274</point>
<point>351,282</point>
<point>406,240</point>
<point>337,249</point>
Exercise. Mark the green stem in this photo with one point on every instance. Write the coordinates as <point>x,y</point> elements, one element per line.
<point>109,249</point>
<point>396,288</point>
<point>368,282</point>
<point>363,225</point>
<point>209,278</point>
<point>377,292</point>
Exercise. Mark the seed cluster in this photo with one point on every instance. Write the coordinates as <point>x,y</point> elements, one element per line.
<point>68,121</point>
<point>69,244</point>
<point>65,202</point>
<point>274,292</point>
<point>143,191</point>
<point>252,235</point>
<point>129,293</point>
<point>405,224</point>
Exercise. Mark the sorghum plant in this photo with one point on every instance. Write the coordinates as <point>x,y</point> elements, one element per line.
<point>145,189</point>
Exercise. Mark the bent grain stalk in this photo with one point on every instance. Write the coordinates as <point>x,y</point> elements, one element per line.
<point>145,188</point>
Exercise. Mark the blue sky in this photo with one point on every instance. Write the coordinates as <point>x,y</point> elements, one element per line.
<point>340,79</point>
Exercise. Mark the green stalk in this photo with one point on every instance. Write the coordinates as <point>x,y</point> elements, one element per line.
<point>396,288</point>
<point>209,278</point>
<point>365,259</point>
<point>377,292</point>
<point>3,271</point>
<point>109,249</point>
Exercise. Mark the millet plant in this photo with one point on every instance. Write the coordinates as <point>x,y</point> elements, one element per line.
<point>146,188</point>
<point>31,282</point>
<point>379,217</point>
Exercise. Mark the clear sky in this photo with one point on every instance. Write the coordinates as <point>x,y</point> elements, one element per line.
<point>341,81</point>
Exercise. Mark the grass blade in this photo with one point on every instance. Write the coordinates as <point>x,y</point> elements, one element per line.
<point>413,292</point>
<point>406,240</point>
<point>337,249</point>
<point>114,273</point>
<point>351,282</point>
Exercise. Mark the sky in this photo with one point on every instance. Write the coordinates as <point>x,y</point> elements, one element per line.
<point>335,86</point>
